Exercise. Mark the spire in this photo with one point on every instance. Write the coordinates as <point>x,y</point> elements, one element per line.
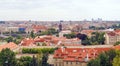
<point>60,27</point>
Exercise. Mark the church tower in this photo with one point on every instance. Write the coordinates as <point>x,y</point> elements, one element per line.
<point>60,27</point>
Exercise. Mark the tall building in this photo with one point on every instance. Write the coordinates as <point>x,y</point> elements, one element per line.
<point>112,37</point>
<point>60,27</point>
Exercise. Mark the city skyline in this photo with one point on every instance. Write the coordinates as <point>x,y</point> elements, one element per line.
<point>46,10</point>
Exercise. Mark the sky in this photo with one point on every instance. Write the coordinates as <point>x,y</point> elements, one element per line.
<point>50,10</point>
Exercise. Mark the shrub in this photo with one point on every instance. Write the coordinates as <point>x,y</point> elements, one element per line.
<point>37,50</point>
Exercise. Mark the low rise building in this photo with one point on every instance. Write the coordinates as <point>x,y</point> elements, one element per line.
<point>49,40</point>
<point>61,34</point>
<point>76,56</point>
<point>12,29</point>
<point>11,45</point>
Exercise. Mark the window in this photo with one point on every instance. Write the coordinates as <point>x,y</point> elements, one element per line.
<point>56,64</point>
<point>59,64</point>
<point>77,62</point>
<point>66,62</point>
<point>55,59</point>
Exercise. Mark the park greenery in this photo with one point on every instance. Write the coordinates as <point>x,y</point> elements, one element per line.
<point>37,50</point>
<point>50,31</point>
<point>95,39</point>
<point>8,58</point>
<point>117,43</point>
<point>115,26</point>
<point>116,60</point>
<point>96,28</point>
<point>69,36</point>
<point>108,58</point>
<point>16,40</point>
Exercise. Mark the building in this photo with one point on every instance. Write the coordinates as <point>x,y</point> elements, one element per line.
<point>27,42</point>
<point>60,27</point>
<point>88,32</point>
<point>112,37</point>
<point>11,45</point>
<point>37,28</point>
<point>21,29</point>
<point>76,56</point>
<point>49,40</point>
<point>13,29</point>
<point>61,34</point>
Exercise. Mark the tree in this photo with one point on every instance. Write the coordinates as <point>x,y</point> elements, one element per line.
<point>117,43</point>
<point>24,61</point>
<point>86,42</point>
<point>44,59</point>
<point>52,31</point>
<point>16,41</point>
<point>7,57</point>
<point>97,38</point>
<point>111,55</point>
<point>81,36</point>
<point>103,59</point>
<point>92,27</point>
<point>94,62</point>
<point>39,58</point>
<point>32,34</point>
<point>116,60</point>
<point>33,62</point>
<point>69,36</point>
<point>9,39</point>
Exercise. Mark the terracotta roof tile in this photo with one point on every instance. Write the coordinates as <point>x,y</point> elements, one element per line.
<point>10,45</point>
<point>70,54</point>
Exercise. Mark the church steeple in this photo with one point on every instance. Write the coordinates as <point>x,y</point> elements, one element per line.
<point>60,27</point>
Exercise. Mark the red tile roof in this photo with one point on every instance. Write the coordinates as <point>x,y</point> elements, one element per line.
<point>111,34</point>
<point>78,54</point>
<point>36,28</point>
<point>116,47</point>
<point>49,39</point>
<point>27,42</point>
<point>10,45</point>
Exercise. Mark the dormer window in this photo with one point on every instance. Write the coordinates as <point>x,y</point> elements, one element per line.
<point>74,50</point>
<point>83,50</point>
<point>76,58</point>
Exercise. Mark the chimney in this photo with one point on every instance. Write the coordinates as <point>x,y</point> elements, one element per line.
<point>95,52</point>
<point>63,49</point>
<point>87,58</point>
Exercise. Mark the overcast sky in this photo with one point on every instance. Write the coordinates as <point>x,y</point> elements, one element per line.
<point>59,9</point>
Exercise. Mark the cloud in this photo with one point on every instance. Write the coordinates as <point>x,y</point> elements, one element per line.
<point>59,9</point>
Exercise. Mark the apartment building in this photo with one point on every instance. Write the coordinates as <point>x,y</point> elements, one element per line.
<point>76,56</point>
<point>112,37</point>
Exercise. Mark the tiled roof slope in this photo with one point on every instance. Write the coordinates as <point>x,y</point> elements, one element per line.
<point>10,45</point>
<point>78,54</point>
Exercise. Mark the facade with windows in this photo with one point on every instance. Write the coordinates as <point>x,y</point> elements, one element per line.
<point>76,56</point>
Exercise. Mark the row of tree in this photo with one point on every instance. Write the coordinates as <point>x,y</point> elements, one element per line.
<point>50,31</point>
<point>37,50</point>
<point>69,36</point>
<point>97,28</point>
<point>16,40</point>
<point>96,38</point>
<point>8,58</point>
